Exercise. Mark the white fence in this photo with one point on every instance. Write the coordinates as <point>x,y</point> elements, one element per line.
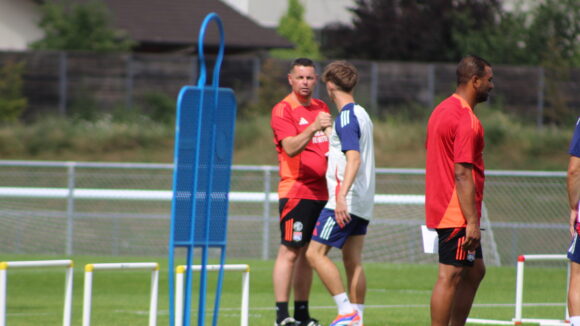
<point>124,209</point>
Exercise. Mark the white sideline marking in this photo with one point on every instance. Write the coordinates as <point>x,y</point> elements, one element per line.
<point>27,314</point>
<point>166,195</point>
<point>391,306</point>
<point>166,312</point>
<point>388,306</point>
<point>399,291</point>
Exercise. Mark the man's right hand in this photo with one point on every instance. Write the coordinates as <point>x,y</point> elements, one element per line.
<point>295,144</point>
<point>323,121</point>
<point>472,237</point>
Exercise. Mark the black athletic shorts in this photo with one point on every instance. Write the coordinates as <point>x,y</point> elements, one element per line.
<point>297,220</point>
<point>450,251</point>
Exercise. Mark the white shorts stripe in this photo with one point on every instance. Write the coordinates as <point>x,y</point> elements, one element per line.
<point>573,245</point>
<point>325,234</point>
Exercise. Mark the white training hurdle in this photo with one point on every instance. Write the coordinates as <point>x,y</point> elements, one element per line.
<point>179,289</point>
<point>518,318</point>
<point>87,299</point>
<point>68,264</point>
<point>520,289</point>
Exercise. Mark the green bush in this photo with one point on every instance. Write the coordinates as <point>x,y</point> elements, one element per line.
<point>83,106</point>
<point>102,139</point>
<point>12,101</point>
<point>159,107</point>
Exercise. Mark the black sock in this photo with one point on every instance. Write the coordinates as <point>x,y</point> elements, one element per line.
<point>281,311</point>
<point>301,311</point>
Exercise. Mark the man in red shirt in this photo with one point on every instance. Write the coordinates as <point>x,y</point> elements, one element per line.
<point>298,123</point>
<point>454,192</point>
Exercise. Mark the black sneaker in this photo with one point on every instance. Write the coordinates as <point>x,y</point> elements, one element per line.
<point>288,321</point>
<point>309,322</point>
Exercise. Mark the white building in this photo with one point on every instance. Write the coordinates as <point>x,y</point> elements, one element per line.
<point>173,31</point>
<point>318,13</point>
<point>18,24</point>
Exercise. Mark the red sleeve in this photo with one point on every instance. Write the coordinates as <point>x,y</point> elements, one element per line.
<point>282,123</point>
<point>465,140</point>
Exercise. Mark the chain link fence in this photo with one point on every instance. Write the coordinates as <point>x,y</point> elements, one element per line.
<point>67,82</point>
<point>65,208</point>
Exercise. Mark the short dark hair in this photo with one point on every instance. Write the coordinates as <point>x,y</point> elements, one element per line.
<point>343,74</point>
<point>305,62</point>
<point>471,65</point>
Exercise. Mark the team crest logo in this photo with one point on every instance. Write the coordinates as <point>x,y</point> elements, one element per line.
<point>298,226</point>
<point>297,236</point>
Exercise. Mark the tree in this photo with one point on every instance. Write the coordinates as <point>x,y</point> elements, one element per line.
<point>405,30</point>
<point>293,26</point>
<point>79,26</point>
<point>540,35</point>
<point>556,22</point>
<point>544,35</point>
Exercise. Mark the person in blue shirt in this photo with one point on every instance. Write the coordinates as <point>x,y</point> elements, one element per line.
<point>350,178</point>
<point>573,185</point>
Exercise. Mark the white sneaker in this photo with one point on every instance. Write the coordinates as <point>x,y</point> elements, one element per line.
<point>288,321</point>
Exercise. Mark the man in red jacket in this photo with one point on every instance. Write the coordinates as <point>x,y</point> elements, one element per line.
<point>298,123</point>
<point>454,192</point>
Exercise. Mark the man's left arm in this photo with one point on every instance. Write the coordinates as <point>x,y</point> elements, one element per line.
<point>465,148</point>
<point>352,165</point>
<point>465,187</point>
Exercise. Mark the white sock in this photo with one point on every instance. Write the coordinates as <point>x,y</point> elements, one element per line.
<point>359,307</point>
<point>574,320</point>
<point>344,305</point>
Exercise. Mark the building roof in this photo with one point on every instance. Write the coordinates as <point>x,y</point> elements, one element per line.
<point>176,23</point>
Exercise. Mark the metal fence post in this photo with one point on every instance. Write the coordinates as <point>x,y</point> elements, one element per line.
<point>317,67</point>
<point>70,208</point>
<point>62,83</point>
<point>374,88</point>
<point>266,214</point>
<point>540,103</point>
<point>431,85</point>
<point>256,70</point>
<point>129,82</point>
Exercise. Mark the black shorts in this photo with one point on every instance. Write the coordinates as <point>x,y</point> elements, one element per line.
<point>297,220</point>
<point>450,251</point>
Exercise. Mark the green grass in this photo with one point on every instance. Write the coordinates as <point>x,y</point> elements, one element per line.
<point>398,294</point>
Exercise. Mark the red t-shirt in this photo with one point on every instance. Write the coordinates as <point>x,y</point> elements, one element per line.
<point>454,135</point>
<point>301,176</point>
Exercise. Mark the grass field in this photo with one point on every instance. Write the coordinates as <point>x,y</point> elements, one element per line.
<point>397,294</point>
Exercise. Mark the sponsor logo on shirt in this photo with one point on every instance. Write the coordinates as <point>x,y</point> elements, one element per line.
<point>319,137</point>
<point>303,121</point>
